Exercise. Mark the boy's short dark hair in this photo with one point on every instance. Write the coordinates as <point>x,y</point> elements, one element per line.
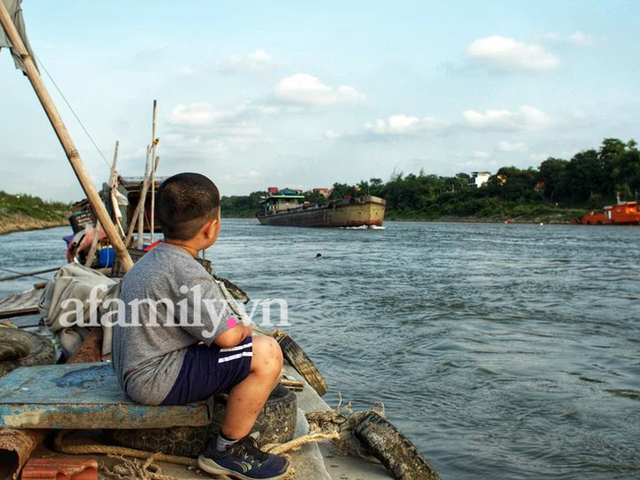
<point>184,203</point>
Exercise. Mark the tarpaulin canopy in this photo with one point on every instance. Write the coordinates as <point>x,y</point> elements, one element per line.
<point>15,12</point>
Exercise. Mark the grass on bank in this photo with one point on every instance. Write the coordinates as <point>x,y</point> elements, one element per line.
<point>26,212</point>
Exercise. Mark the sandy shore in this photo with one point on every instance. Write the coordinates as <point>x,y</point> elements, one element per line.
<point>22,223</point>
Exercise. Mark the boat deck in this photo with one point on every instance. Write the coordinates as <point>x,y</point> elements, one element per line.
<point>20,304</point>
<point>313,461</point>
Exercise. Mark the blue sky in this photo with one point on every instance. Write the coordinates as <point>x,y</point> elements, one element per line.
<point>304,94</point>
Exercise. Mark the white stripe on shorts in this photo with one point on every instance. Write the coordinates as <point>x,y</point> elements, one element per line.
<point>234,349</point>
<point>235,357</point>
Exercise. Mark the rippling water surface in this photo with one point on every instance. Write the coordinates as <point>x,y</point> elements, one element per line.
<point>502,351</point>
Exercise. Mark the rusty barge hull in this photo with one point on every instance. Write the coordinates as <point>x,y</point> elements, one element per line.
<point>370,213</point>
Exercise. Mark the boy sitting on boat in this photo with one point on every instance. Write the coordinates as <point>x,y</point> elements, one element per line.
<point>170,360</point>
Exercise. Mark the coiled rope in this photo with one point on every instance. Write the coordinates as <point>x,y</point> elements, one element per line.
<point>149,471</point>
<point>333,425</point>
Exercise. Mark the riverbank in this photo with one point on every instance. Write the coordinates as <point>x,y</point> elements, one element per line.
<point>501,213</point>
<point>551,220</point>
<point>19,213</point>
<point>449,219</point>
<point>22,223</point>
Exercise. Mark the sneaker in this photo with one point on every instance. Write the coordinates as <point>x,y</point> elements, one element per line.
<point>244,461</point>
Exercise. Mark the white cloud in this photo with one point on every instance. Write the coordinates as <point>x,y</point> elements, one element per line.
<point>202,114</point>
<point>539,157</point>
<point>502,53</point>
<point>477,164</point>
<point>42,156</point>
<point>481,154</point>
<point>258,61</point>
<point>186,71</point>
<point>309,90</point>
<point>331,135</point>
<point>525,118</point>
<point>195,114</point>
<point>576,38</point>
<point>198,125</point>
<point>239,178</point>
<point>582,40</point>
<point>351,95</point>
<point>405,125</point>
<point>511,147</point>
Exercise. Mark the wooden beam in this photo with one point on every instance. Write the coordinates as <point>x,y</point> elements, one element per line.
<point>137,219</point>
<point>65,139</point>
<point>153,170</point>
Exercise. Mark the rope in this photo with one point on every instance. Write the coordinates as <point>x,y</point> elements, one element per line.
<point>61,447</point>
<point>26,274</point>
<point>149,471</point>
<point>296,444</point>
<point>129,469</point>
<point>331,425</point>
<point>74,113</point>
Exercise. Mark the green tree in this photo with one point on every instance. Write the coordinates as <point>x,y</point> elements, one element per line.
<point>341,190</point>
<point>553,172</point>
<point>315,198</point>
<point>586,176</point>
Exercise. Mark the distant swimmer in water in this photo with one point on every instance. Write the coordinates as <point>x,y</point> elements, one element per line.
<point>319,256</point>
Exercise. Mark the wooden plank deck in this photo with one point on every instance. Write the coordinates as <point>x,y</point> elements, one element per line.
<point>25,303</point>
<point>84,396</point>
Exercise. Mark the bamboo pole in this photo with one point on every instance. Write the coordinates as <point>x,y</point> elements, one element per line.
<point>138,214</point>
<point>65,139</point>
<point>141,216</point>
<point>153,170</point>
<point>114,165</point>
<point>153,197</point>
<point>96,232</point>
<point>113,185</point>
<point>145,188</point>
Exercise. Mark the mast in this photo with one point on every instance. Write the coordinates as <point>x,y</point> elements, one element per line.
<point>153,171</point>
<point>65,139</point>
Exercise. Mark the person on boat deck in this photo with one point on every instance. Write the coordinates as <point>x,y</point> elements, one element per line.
<point>167,357</point>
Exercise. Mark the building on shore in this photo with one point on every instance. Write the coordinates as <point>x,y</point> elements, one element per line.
<point>478,179</point>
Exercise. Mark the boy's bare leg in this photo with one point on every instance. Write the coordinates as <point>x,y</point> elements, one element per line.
<point>249,396</point>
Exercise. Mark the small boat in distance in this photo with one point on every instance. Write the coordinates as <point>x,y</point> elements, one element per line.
<point>288,208</point>
<point>623,213</point>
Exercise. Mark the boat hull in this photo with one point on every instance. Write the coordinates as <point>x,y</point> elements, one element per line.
<point>370,213</point>
<point>624,213</point>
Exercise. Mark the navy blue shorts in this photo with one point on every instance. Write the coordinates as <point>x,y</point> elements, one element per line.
<point>210,370</point>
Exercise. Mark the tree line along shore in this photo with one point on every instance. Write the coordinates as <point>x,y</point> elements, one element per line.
<point>558,191</point>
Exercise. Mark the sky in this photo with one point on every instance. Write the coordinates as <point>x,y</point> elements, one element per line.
<point>305,94</point>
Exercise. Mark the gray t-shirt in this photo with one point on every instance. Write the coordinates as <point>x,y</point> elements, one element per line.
<point>148,354</point>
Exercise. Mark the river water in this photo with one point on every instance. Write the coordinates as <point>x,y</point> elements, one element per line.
<point>501,351</point>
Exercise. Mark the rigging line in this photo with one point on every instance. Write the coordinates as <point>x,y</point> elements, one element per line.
<point>24,274</point>
<point>104,159</point>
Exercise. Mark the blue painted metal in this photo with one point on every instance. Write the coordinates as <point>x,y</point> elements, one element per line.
<point>84,396</point>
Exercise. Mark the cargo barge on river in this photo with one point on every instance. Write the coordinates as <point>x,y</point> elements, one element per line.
<point>285,209</point>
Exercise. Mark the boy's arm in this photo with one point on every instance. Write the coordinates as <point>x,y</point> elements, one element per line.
<point>209,311</point>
